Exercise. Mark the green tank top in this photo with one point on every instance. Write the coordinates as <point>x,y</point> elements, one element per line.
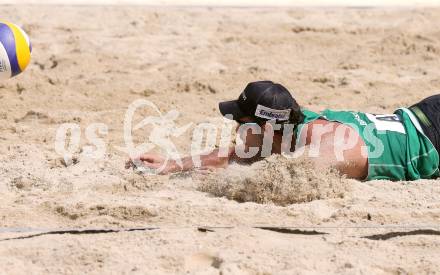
<point>397,147</point>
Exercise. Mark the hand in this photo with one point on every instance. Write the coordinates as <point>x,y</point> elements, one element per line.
<point>153,161</point>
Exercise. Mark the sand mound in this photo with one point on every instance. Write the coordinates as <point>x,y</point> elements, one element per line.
<point>276,179</point>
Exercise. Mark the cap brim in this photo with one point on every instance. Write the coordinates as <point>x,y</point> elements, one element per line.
<point>231,108</point>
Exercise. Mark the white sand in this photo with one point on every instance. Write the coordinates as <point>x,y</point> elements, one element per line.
<point>86,70</point>
<point>240,3</point>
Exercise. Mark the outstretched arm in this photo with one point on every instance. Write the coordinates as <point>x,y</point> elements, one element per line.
<point>156,161</point>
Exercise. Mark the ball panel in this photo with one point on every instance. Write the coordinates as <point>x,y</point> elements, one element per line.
<point>22,50</point>
<point>5,67</point>
<point>7,39</point>
<point>24,35</point>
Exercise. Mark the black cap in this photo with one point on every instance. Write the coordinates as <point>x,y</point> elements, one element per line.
<point>263,101</point>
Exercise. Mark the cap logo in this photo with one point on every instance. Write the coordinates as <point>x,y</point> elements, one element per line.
<point>268,113</point>
<point>243,95</point>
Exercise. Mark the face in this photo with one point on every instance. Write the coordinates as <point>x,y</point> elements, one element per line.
<point>249,133</point>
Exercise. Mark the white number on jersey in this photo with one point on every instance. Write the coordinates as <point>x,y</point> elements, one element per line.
<point>387,123</point>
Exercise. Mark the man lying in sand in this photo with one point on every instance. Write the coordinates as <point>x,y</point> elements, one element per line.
<point>400,146</point>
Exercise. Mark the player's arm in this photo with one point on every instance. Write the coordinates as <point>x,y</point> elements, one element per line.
<point>213,159</point>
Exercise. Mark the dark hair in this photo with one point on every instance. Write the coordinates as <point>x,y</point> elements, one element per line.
<point>296,115</point>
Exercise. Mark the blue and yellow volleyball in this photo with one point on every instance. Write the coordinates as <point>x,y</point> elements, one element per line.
<point>15,50</point>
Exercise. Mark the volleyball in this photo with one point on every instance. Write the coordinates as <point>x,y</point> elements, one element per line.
<point>15,50</point>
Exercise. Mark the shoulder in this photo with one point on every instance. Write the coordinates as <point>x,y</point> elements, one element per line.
<point>322,130</point>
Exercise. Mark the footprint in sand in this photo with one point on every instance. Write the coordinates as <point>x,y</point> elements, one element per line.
<point>32,116</point>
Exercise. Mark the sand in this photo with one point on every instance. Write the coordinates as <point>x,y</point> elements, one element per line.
<point>90,63</point>
<point>236,3</point>
<point>276,179</point>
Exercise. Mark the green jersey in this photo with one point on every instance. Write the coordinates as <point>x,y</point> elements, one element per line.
<point>397,147</point>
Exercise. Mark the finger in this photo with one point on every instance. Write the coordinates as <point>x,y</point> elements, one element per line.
<point>147,158</point>
<point>136,163</point>
<point>152,158</point>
